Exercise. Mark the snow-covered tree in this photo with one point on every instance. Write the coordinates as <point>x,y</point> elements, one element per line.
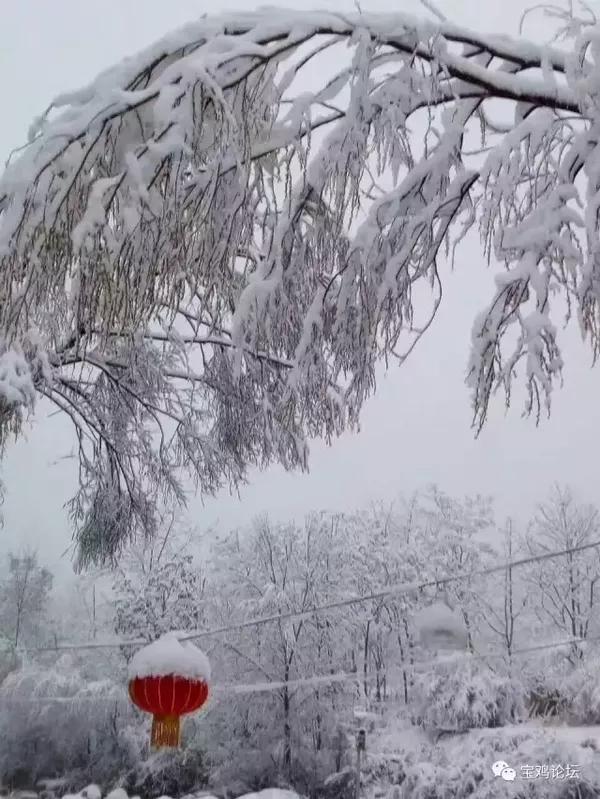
<point>24,592</point>
<point>425,538</point>
<point>390,546</point>
<point>206,252</point>
<point>274,569</point>
<point>159,589</point>
<point>456,529</point>
<point>568,588</point>
<point>503,608</point>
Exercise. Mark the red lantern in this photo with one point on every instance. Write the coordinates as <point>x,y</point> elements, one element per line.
<point>168,696</point>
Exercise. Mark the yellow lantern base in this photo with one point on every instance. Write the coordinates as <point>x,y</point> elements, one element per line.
<point>166,732</point>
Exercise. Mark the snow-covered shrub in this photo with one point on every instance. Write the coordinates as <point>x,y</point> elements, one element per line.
<point>462,693</point>
<point>310,771</point>
<point>462,767</point>
<point>168,773</point>
<point>54,723</point>
<point>431,781</point>
<point>93,792</point>
<point>547,692</point>
<point>248,769</point>
<point>581,694</point>
<point>254,764</point>
<point>381,772</point>
<point>543,702</point>
<point>339,785</point>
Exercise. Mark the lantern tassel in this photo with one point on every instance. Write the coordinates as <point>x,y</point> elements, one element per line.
<point>165,731</point>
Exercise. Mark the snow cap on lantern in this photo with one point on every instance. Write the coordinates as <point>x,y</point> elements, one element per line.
<point>170,655</point>
<point>169,678</point>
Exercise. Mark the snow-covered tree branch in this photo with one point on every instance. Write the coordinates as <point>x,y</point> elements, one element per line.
<point>204,255</point>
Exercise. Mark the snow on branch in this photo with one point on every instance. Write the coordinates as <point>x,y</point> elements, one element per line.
<point>216,251</point>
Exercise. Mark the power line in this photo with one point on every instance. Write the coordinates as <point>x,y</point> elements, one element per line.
<point>329,679</point>
<point>448,659</point>
<point>393,590</point>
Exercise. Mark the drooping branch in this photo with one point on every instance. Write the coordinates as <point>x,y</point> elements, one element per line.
<point>211,259</point>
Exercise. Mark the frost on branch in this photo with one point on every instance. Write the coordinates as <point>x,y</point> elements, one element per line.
<point>20,366</point>
<point>216,257</point>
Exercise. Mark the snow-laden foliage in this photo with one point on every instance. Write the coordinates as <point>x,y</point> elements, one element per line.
<point>169,595</point>
<point>212,253</point>
<point>568,590</point>
<point>461,693</point>
<point>168,773</point>
<point>463,767</point>
<point>55,721</point>
<point>580,693</point>
<point>268,570</point>
<point>421,539</point>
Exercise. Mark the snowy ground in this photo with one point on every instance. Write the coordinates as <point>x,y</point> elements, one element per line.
<point>270,793</point>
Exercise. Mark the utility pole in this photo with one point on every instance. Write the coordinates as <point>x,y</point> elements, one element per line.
<point>361,745</point>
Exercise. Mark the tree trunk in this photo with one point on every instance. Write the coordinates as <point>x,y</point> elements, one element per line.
<point>287,727</point>
<point>467,620</point>
<point>366,661</point>
<point>404,674</point>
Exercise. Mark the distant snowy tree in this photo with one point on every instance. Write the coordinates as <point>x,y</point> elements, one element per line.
<point>24,592</point>
<point>427,537</point>
<point>159,590</point>
<point>505,600</point>
<point>456,529</point>
<point>389,546</point>
<point>204,254</point>
<point>568,588</point>
<point>274,569</point>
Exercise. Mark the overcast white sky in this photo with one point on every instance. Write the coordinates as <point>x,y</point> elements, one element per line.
<point>416,429</point>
